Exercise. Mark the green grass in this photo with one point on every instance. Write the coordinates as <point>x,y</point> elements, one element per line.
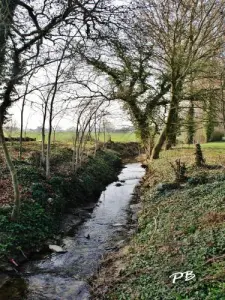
<point>211,145</point>
<point>214,145</point>
<point>67,137</point>
<point>123,137</point>
<point>179,231</point>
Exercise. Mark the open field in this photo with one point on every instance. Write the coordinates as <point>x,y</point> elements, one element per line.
<point>122,137</point>
<point>67,137</point>
<point>211,145</point>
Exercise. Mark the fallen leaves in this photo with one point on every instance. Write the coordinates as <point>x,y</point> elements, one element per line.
<point>6,191</point>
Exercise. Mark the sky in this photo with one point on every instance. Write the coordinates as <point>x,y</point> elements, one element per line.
<point>33,116</point>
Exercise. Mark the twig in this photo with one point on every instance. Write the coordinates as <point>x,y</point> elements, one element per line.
<point>211,260</point>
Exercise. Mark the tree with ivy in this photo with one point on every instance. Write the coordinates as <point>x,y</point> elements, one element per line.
<point>123,54</point>
<point>190,124</point>
<point>210,119</point>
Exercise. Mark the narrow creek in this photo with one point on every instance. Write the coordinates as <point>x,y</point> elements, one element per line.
<point>64,276</point>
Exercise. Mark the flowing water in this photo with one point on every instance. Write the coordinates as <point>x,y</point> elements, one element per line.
<point>64,276</point>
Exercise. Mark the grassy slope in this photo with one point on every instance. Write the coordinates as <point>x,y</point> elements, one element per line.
<point>179,230</point>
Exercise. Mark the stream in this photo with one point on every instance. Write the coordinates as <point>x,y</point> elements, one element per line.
<point>64,276</point>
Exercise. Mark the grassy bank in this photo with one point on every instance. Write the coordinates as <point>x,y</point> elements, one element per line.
<point>179,230</point>
<point>44,200</point>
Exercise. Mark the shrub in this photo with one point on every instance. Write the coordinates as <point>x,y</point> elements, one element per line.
<point>35,158</point>
<point>61,155</point>
<point>91,179</point>
<point>216,136</point>
<point>39,193</point>
<point>34,227</point>
<point>27,174</point>
<point>200,179</point>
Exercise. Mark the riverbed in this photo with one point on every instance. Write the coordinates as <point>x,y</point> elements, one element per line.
<point>64,276</point>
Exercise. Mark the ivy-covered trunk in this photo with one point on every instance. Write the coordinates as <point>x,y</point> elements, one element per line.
<point>169,133</point>
<point>7,9</point>
<point>156,150</point>
<point>190,124</point>
<point>146,138</point>
<point>143,127</point>
<point>172,124</point>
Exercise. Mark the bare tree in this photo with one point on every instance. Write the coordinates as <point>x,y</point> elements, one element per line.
<point>186,35</point>
<point>24,30</point>
<point>22,113</point>
<point>86,121</point>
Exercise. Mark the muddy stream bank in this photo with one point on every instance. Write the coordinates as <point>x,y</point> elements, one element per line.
<point>65,275</point>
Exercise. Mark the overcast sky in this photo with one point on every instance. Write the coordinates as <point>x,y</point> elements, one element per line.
<point>33,117</point>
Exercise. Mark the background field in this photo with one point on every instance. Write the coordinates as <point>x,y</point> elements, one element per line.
<point>213,145</point>
<point>67,137</point>
<point>123,137</point>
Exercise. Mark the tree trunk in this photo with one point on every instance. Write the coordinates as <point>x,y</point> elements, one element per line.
<point>96,136</point>
<point>104,133</point>
<point>42,162</point>
<point>48,153</point>
<point>223,100</point>
<point>143,126</point>
<point>54,136</point>
<point>16,207</point>
<point>21,129</point>
<point>172,125</point>
<point>75,148</point>
<point>190,124</point>
<point>146,138</point>
<point>158,146</point>
<point>7,8</point>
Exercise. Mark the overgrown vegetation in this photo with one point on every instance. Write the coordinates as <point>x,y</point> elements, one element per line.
<point>44,200</point>
<point>179,230</point>
<point>163,62</point>
<point>78,82</point>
